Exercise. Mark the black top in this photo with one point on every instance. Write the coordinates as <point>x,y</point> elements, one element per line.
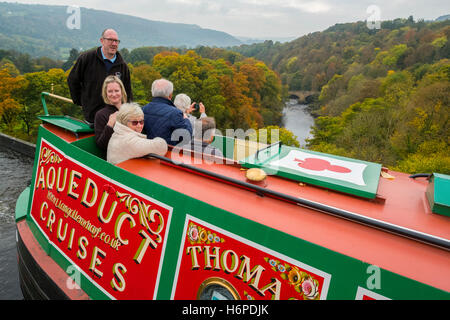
<point>103,132</point>
<point>86,78</point>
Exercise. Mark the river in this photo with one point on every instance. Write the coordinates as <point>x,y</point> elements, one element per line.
<point>15,172</point>
<point>297,119</point>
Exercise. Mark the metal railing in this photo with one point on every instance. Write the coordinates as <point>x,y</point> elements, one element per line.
<point>46,94</point>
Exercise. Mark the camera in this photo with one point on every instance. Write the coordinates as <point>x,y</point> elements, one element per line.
<point>196,107</point>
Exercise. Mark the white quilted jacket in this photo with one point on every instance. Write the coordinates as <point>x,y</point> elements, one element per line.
<point>126,143</point>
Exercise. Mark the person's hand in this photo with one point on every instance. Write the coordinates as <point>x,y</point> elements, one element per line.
<point>191,108</point>
<point>112,119</point>
<point>202,108</point>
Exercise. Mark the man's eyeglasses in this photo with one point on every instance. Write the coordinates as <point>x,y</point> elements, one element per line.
<point>136,122</point>
<point>112,40</point>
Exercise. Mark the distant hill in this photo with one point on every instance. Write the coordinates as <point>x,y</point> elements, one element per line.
<point>379,95</point>
<point>309,62</point>
<point>247,40</point>
<point>442,18</point>
<point>40,30</point>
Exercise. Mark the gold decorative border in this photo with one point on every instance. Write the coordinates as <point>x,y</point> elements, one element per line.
<point>220,282</point>
<point>303,282</point>
<point>49,156</point>
<point>200,235</point>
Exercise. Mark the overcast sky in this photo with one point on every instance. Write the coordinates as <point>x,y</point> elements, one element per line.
<point>265,18</point>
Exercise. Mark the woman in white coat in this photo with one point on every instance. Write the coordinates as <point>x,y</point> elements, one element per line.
<point>127,141</point>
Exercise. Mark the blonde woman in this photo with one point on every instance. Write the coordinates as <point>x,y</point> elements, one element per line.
<point>127,141</point>
<point>114,95</point>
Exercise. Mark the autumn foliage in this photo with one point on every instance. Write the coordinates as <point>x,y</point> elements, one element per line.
<point>381,95</point>
<point>245,94</point>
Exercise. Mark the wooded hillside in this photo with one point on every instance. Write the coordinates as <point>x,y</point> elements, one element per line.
<point>244,94</point>
<point>383,95</point>
<point>42,31</point>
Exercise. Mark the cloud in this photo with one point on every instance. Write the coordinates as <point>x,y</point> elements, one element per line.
<point>310,6</point>
<point>262,18</point>
<point>313,7</point>
<point>186,2</point>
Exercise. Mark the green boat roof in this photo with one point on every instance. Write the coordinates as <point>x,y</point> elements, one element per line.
<point>68,123</point>
<point>356,177</point>
<point>438,194</point>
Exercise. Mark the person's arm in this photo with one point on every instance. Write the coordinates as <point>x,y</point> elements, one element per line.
<point>103,128</point>
<point>75,80</point>
<point>138,147</point>
<point>180,123</point>
<point>202,110</point>
<point>127,85</point>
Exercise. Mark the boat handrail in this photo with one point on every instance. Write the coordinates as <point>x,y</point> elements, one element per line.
<point>429,239</point>
<point>66,122</point>
<point>268,147</point>
<point>47,94</point>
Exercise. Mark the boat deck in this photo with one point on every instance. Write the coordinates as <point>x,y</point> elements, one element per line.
<point>405,205</point>
<point>401,201</point>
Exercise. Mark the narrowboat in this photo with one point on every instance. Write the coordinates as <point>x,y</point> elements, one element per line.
<point>263,222</point>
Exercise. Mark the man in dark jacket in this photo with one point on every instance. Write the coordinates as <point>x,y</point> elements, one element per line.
<point>90,70</point>
<point>162,118</point>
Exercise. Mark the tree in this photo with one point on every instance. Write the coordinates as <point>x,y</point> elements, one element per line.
<point>145,75</point>
<point>272,134</point>
<point>73,56</point>
<point>9,107</point>
<point>7,64</point>
<point>54,80</point>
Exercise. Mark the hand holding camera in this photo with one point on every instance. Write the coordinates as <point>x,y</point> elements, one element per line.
<point>197,107</point>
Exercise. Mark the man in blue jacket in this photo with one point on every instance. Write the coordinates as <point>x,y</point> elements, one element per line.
<point>163,119</point>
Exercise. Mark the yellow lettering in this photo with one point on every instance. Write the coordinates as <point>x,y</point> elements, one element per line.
<point>73,185</point>
<point>274,287</point>
<point>60,188</point>
<point>101,207</point>
<point>89,184</point>
<point>209,256</point>
<point>194,259</point>
<point>41,179</point>
<point>58,234</point>
<point>245,274</point>
<point>69,245</point>
<point>82,243</point>
<point>51,182</point>
<point>234,260</point>
<point>96,261</point>
<point>44,204</point>
<point>51,219</point>
<point>117,228</point>
<point>144,246</point>
<point>118,272</point>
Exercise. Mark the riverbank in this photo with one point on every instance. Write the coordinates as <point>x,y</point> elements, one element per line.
<point>23,147</point>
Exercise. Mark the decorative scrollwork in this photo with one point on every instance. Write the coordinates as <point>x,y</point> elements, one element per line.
<point>147,216</point>
<point>304,283</point>
<point>49,156</point>
<point>197,234</point>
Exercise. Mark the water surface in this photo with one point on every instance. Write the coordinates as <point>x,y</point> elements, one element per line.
<point>15,173</point>
<point>297,119</point>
